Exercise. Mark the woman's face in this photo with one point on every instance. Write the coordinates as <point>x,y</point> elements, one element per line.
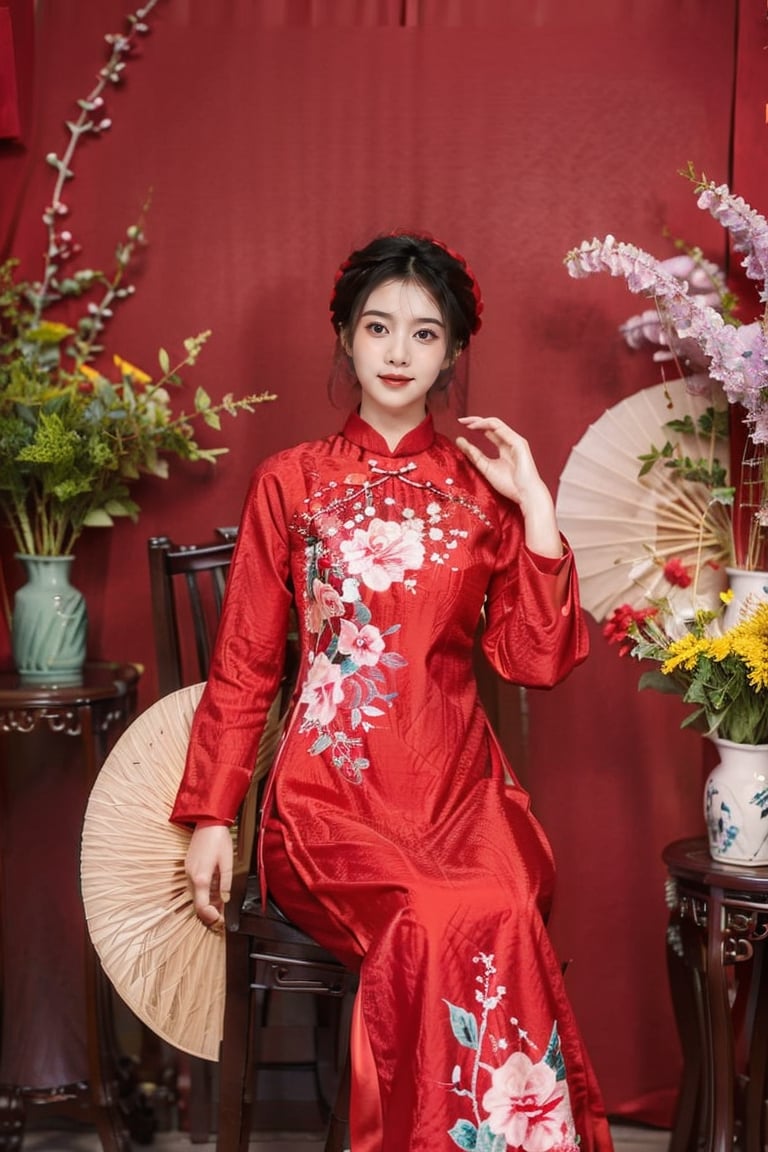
<point>398,348</point>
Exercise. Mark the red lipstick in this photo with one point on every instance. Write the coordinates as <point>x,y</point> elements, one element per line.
<point>396,379</point>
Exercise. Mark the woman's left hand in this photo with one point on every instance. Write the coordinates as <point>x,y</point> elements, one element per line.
<point>513,473</point>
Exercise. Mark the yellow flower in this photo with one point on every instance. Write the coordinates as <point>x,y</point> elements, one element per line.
<point>685,653</point>
<point>727,596</point>
<point>89,373</point>
<point>131,371</point>
<point>719,647</point>
<point>751,645</point>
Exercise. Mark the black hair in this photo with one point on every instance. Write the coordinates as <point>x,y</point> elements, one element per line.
<point>444,275</point>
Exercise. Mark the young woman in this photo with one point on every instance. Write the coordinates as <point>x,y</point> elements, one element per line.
<point>394,831</point>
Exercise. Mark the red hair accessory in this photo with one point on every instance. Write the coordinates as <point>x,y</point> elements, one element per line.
<point>342,269</point>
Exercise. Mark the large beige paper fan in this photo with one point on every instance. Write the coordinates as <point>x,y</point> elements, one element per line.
<point>623,527</point>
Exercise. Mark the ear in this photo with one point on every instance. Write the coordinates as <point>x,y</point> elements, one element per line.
<point>345,342</point>
<point>452,356</point>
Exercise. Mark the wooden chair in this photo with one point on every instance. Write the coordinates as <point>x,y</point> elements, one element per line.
<point>265,952</point>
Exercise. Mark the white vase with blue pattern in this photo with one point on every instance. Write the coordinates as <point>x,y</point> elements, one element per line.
<point>736,804</point>
<point>749,588</point>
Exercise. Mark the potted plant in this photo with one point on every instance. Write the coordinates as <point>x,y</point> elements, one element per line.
<point>78,425</point>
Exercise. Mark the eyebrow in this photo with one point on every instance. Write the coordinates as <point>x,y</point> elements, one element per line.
<point>417,320</point>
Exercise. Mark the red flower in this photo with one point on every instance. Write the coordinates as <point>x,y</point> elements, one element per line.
<point>617,626</point>
<point>676,573</point>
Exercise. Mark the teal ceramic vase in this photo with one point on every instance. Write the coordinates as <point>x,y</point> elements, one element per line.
<point>50,623</point>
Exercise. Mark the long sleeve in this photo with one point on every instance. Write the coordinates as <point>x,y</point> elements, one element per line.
<point>535,632</point>
<point>247,663</point>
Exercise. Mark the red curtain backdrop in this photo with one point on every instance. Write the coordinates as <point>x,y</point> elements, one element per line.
<point>274,136</point>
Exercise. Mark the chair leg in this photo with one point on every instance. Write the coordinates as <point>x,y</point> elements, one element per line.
<point>236,1057</point>
<point>339,1122</point>
<point>200,1095</point>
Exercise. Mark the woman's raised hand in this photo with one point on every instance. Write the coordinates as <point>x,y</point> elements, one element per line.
<point>209,872</point>
<point>513,473</point>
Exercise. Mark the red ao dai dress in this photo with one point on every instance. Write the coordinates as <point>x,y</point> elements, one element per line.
<point>394,831</point>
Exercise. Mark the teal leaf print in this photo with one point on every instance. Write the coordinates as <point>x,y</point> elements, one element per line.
<point>554,1056</point>
<point>362,613</point>
<point>332,648</point>
<point>393,660</point>
<point>464,1134</point>
<point>488,1141</point>
<point>761,800</point>
<point>463,1026</point>
<point>356,694</point>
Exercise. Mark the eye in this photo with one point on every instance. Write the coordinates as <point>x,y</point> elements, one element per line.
<point>376,328</point>
<point>426,335</point>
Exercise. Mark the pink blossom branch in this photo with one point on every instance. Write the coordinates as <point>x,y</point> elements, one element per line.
<point>748,229</point>
<point>61,245</point>
<point>737,355</point>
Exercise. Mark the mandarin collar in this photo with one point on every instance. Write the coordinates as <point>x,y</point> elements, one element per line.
<point>365,436</point>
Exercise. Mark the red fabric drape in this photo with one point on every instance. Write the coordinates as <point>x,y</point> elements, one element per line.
<point>10,124</point>
<point>17,59</point>
<point>277,135</point>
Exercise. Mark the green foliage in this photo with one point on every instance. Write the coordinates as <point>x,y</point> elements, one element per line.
<point>712,424</point>
<point>72,439</point>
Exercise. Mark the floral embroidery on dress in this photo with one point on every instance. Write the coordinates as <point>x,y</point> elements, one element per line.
<point>359,542</point>
<point>519,1098</point>
<point>381,554</point>
<point>346,687</point>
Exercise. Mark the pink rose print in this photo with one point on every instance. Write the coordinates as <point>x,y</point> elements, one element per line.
<point>364,644</point>
<point>324,605</point>
<point>381,554</point>
<point>527,1105</point>
<point>322,691</point>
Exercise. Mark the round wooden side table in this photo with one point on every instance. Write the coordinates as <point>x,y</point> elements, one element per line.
<point>717,968</point>
<point>57,1044</point>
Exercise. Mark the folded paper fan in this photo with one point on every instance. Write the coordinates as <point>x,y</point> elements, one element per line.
<point>624,527</point>
<point>166,966</point>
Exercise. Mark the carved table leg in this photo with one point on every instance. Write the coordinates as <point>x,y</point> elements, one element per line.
<point>685,969</point>
<point>758,1054</point>
<point>12,1119</point>
<point>719,1062</point>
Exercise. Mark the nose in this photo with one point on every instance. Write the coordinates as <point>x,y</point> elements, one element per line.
<point>397,350</point>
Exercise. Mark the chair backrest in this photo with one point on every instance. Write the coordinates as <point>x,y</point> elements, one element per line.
<point>187,587</point>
